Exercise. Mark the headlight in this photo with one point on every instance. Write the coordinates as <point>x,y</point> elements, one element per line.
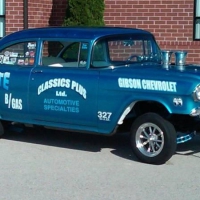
<point>196,93</point>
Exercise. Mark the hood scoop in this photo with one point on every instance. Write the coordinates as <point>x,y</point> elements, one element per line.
<point>166,58</point>
<point>180,59</point>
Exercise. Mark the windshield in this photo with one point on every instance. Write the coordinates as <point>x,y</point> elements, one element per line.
<point>125,50</point>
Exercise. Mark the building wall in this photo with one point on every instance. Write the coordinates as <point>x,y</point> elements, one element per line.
<point>171,21</point>
<point>40,14</point>
<point>14,15</point>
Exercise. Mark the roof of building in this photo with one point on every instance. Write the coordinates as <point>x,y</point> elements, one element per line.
<point>71,32</point>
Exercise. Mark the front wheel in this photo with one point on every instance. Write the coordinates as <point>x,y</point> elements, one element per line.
<point>153,139</point>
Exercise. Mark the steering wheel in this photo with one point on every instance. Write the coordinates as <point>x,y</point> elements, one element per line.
<point>138,58</point>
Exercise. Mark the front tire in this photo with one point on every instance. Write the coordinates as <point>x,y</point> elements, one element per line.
<point>153,139</point>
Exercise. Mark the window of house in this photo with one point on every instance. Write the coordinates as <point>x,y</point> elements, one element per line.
<point>2,18</point>
<point>197,20</point>
<point>19,54</point>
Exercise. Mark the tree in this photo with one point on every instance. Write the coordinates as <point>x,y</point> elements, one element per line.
<point>85,13</point>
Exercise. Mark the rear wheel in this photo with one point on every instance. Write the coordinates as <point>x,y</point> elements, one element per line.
<point>153,139</point>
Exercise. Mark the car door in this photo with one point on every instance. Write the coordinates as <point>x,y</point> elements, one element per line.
<point>16,62</point>
<point>63,92</point>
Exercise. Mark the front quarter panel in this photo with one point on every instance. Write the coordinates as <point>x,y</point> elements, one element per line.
<point>175,93</point>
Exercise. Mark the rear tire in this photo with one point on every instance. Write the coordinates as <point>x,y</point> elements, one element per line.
<point>153,139</point>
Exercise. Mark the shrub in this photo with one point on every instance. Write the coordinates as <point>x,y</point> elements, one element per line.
<point>85,13</point>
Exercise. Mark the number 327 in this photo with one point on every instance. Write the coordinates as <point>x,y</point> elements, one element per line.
<point>105,116</point>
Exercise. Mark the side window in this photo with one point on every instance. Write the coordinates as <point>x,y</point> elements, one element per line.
<point>100,55</point>
<point>148,47</point>
<point>64,54</point>
<point>19,54</point>
<point>70,54</point>
<point>152,51</point>
<point>76,52</point>
<point>51,48</point>
<point>123,50</point>
<point>140,50</point>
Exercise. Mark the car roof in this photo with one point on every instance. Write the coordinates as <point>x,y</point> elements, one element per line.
<point>91,33</point>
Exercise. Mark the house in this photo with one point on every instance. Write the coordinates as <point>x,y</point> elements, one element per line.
<point>175,23</point>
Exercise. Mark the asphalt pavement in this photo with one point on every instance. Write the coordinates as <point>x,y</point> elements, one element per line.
<point>38,164</point>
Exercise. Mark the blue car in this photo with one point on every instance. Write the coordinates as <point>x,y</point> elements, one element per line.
<point>100,80</point>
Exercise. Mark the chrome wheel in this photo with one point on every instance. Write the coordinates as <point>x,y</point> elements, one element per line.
<point>153,139</point>
<point>149,139</point>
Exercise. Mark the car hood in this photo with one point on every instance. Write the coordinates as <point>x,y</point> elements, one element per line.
<point>159,71</point>
<point>186,78</point>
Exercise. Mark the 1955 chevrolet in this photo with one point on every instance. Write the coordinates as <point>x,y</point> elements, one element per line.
<point>100,80</point>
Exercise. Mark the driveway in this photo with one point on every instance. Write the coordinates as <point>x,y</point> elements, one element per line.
<point>38,164</point>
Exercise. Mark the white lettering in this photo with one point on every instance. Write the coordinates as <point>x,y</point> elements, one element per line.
<point>62,83</point>
<point>129,83</point>
<point>166,86</point>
